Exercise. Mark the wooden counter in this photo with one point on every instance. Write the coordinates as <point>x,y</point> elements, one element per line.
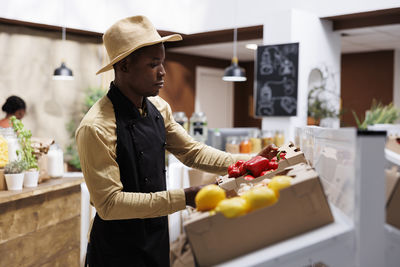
<point>41,226</point>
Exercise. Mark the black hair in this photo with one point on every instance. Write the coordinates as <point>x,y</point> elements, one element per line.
<point>12,104</point>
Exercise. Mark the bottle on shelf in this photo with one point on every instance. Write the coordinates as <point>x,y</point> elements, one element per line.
<point>217,139</point>
<point>198,126</point>
<point>232,145</point>
<point>255,141</point>
<point>279,138</point>
<point>267,138</point>
<point>12,143</point>
<point>180,117</point>
<point>55,161</point>
<point>245,145</point>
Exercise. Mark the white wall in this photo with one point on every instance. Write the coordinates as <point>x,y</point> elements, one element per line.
<point>319,45</point>
<point>186,16</point>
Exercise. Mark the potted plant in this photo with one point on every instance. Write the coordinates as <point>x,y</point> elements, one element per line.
<point>378,114</point>
<point>14,173</point>
<point>26,153</point>
<point>322,99</point>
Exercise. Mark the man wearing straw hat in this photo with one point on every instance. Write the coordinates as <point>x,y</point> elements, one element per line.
<point>121,143</point>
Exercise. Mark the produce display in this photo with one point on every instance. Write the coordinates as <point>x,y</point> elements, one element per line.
<point>255,167</point>
<point>209,197</point>
<point>3,152</point>
<point>268,209</point>
<point>250,197</point>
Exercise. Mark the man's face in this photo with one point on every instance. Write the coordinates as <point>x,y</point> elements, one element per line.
<point>145,71</point>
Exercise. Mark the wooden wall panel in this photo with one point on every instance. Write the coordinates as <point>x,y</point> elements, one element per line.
<point>180,81</point>
<point>244,101</point>
<point>42,230</point>
<point>28,215</point>
<point>365,76</point>
<point>179,90</point>
<point>45,246</point>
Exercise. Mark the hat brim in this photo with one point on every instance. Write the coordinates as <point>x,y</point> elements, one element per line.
<point>169,38</point>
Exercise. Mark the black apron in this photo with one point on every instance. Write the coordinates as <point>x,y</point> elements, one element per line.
<point>141,160</point>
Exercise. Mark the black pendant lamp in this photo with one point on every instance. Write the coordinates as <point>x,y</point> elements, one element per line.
<point>63,72</point>
<point>234,73</point>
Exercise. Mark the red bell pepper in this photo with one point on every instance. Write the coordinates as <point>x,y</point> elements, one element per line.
<point>237,169</point>
<point>273,165</point>
<point>281,155</point>
<point>256,165</point>
<point>249,177</point>
<point>265,172</point>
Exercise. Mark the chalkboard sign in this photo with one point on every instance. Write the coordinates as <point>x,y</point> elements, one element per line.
<point>276,72</point>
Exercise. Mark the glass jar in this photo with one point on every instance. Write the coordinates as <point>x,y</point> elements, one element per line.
<point>3,152</point>
<point>198,126</point>
<point>267,138</point>
<point>12,142</point>
<point>245,145</point>
<point>255,141</point>
<point>180,117</point>
<point>279,138</point>
<point>232,145</point>
<point>55,161</point>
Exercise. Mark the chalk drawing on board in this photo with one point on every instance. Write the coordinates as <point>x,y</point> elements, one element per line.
<point>276,80</point>
<point>267,100</point>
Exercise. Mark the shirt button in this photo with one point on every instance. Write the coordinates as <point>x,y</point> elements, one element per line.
<point>157,117</point>
<point>141,153</point>
<point>146,180</point>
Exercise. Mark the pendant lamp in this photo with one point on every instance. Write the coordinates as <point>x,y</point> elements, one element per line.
<point>234,73</point>
<point>63,72</point>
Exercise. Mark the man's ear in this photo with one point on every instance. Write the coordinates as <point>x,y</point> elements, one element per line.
<point>122,65</point>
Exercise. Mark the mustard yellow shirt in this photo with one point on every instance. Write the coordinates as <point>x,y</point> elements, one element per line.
<point>96,140</point>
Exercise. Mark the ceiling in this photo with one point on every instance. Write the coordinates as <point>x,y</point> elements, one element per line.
<point>353,41</point>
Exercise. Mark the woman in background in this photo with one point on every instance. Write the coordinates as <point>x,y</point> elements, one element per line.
<point>14,106</point>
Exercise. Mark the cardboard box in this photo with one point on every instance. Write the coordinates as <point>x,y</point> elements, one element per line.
<point>300,208</point>
<point>197,177</point>
<point>3,185</point>
<point>293,156</point>
<point>393,197</point>
<point>393,144</point>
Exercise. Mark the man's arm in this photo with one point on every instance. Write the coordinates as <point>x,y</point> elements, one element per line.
<point>102,177</point>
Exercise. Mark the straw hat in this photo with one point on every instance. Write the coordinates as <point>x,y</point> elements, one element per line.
<point>130,34</point>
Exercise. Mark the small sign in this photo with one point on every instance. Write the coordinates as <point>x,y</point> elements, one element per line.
<point>276,75</point>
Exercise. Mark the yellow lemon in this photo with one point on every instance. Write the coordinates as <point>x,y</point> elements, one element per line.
<point>208,197</point>
<point>260,197</point>
<point>279,182</point>
<point>233,207</point>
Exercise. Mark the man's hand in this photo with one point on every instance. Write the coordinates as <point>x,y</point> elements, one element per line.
<point>269,152</point>
<point>191,192</point>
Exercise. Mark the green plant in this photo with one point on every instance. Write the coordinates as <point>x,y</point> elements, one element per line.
<point>92,95</point>
<point>377,114</point>
<point>24,139</point>
<point>13,167</point>
<point>318,104</point>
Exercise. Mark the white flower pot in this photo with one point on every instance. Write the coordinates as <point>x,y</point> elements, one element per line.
<point>14,181</point>
<point>31,178</point>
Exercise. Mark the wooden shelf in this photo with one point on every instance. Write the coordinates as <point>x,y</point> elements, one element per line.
<point>68,180</point>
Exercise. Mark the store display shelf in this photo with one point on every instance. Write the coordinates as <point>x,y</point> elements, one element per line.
<point>392,246</point>
<point>392,156</point>
<point>330,244</point>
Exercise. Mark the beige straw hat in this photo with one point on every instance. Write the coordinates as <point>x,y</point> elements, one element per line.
<point>130,34</point>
